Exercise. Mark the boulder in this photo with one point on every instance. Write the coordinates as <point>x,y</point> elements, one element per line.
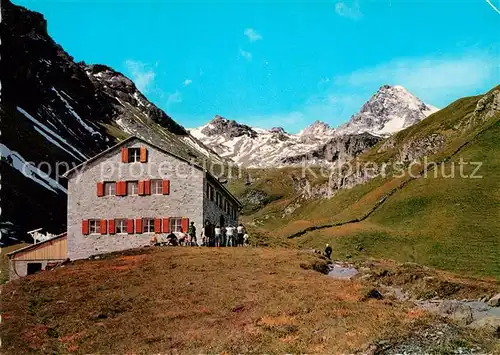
<point>494,301</point>
<point>372,294</point>
<point>456,311</point>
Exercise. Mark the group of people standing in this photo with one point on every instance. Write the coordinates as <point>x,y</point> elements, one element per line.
<point>211,236</point>
<point>221,236</point>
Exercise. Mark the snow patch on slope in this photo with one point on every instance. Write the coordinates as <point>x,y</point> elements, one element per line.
<point>48,130</point>
<point>15,160</point>
<point>70,108</point>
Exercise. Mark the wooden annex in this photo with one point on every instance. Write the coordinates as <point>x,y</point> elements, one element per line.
<point>37,257</point>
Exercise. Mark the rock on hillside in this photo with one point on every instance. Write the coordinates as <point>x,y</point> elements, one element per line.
<point>339,149</point>
<point>55,110</point>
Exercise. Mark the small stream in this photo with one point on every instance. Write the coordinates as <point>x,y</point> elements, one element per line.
<point>342,271</point>
<point>479,309</point>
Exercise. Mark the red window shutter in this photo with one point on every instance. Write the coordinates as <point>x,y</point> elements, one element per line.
<point>157,225</point>
<point>100,189</point>
<point>138,225</point>
<point>147,187</point>
<point>166,187</point>
<point>166,225</point>
<point>104,226</point>
<point>118,188</point>
<point>124,155</point>
<point>85,227</point>
<point>185,224</point>
<point>130,226</point>
<point>121,188</point>
<point>143,157</point>
<point>140,188</point>
<point>111,226</point>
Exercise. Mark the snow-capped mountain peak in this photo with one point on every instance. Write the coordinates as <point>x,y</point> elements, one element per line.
<point>389,110</point>
<point>317,128</point>
<point>221,126</point>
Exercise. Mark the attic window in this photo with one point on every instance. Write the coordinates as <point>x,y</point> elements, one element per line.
<point>134,155</point>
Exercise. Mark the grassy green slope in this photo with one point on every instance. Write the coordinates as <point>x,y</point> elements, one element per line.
<point>450,223</point>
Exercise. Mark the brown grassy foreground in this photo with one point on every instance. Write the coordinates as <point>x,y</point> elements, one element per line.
<point>196,300</point>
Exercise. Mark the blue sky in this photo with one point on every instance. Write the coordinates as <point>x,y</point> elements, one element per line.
<point>283,63</point>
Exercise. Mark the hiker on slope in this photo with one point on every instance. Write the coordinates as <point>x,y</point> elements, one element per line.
<point>328,251</point>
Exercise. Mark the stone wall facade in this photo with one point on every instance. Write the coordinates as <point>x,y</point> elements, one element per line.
<point>213,213</point>
<point>184,200</point>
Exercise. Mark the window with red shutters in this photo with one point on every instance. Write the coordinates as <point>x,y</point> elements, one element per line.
<point>148,225</point>
<point>94,226</point>
<point>156,187</point>
<point>121,226</point>
<point>132,188</point>
<point>175,224</point>
<point>134,155</point>
<point>109,188</point>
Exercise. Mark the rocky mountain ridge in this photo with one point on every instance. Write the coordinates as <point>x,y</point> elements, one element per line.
<point>389,110</point>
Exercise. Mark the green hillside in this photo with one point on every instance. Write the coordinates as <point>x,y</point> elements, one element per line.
<point>447,222</point>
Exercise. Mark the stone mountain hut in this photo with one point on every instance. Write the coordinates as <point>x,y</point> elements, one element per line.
<point>123,196</point>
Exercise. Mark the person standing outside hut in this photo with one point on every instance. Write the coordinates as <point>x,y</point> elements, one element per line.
<point>218,236</point>
<point>230,236</point>
<point>240,233</point>
<point>208,234</point>
<point>223,240</point>
<point>192,234</point>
